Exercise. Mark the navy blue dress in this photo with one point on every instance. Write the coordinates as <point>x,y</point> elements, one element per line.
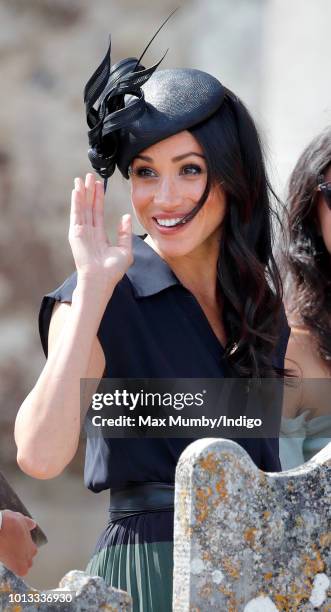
<point>153,327</point>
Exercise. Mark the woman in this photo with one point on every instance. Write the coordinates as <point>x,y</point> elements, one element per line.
<point>306,427</point>
<point>198,296</point>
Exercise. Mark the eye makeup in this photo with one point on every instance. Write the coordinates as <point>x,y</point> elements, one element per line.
<point>186,170</point>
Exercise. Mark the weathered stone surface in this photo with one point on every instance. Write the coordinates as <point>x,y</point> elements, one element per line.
<point>246,540</point>
<point>91,594</point>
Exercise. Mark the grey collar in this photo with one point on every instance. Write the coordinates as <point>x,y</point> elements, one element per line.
<point>149,273</point>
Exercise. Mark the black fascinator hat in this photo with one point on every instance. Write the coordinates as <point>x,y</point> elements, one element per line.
<point>175,100</point>
<point>109,86</point>
<point>137,107</point>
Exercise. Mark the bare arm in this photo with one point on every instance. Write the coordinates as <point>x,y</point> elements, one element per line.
<point>48,423</point>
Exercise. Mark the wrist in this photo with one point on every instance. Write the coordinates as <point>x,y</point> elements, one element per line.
<point>95,288</point>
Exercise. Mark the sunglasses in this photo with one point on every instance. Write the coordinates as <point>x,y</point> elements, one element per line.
<point>325,189</point>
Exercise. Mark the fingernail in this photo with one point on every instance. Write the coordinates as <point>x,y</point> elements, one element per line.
<point>77,183</point>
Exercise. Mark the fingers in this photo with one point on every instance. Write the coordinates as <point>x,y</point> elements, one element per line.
<point>21,569</point>
<point>76,211</point>
<point>98,206</point>
<point>89,197</point>
<point>30,523</point>
<point>33,551</point>
<point>87,200</point>
<point>125,233</point>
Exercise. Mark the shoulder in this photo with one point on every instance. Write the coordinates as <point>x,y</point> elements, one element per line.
<point>300,354</point>
<point>64,292</point>
<point>54,310</point>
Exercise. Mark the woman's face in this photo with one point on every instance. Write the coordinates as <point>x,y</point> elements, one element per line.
<point>167,181</point>
<point>324,215</point>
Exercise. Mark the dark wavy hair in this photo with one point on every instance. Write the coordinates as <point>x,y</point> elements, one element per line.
<point>308,258</point>
<point>249,279</point>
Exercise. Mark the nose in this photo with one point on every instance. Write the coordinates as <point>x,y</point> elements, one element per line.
<point>166,193</point>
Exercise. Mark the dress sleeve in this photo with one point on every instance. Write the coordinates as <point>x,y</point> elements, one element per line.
<point>61,294</point>
<point>292,435</point>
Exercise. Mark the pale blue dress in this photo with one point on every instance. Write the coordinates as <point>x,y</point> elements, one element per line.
<point>301,438</point>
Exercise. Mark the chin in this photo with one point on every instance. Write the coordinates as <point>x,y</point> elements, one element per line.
<point>175,246</point>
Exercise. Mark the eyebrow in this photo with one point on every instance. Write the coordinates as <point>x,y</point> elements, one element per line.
<point>174,159</point>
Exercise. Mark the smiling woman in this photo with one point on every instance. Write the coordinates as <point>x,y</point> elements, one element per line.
<point>306,426</point>
<point>166,198</point>
<point>198,296</point>
<point>182,190</point>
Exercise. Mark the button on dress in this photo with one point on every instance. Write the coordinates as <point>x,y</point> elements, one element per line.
<point>152,327</point>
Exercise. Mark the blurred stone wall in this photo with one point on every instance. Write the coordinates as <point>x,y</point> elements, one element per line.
<point>295,92</point>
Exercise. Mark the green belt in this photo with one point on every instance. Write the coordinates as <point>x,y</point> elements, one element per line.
<point>139,498</point>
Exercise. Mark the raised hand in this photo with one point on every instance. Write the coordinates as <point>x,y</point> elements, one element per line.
<point>94,256</point>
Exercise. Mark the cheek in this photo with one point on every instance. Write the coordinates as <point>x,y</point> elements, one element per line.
<point>139,196</point>
<point>326,232</point>
<point>192,190</point>
<point>215,208</point>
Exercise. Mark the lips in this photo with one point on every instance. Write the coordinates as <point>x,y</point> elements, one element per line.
<point>174,215</point>
<point>170,220</point>
<point>179,219</point>
<point>166,229</point>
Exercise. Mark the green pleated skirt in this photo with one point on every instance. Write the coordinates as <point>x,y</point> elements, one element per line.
<point>135,554</point>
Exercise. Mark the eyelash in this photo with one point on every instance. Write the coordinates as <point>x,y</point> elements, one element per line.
<point>139,171</point>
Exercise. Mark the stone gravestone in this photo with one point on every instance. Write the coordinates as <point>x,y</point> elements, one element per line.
<point>250,541</point>
<point>87,594</point>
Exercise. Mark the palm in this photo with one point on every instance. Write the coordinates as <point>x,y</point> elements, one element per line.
<point>92,251</point>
